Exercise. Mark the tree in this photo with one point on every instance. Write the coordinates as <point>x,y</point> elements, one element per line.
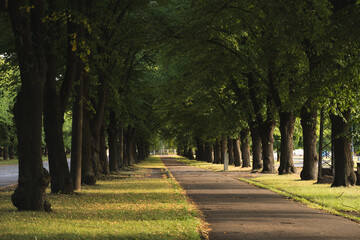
<point>28,29</point>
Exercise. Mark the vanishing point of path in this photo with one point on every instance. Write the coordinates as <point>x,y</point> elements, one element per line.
<point>237,210</point>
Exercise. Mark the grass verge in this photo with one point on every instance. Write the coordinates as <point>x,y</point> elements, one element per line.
<point>133,204</point>
<point>342,201</point>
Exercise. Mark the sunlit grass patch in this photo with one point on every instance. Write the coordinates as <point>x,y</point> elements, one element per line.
<point>338,200</point>
<point>120,208</point>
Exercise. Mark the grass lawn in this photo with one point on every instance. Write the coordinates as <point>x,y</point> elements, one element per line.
<point>129,205</point>
<point>340,200</point>
<point>343,201</point>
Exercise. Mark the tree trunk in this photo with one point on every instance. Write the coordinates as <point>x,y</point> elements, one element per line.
<point>96,124</point>
<point>29,36</point>
<point>256,146</point>
<point>130,142</point>
<point>308,123</point>
<point>112,139</point>
<point>344,165</point>
<point>209,152</point>
<point>245,147</point>
<point>61,181</point>
<point>237,152</point>
<point>77,135</point>
<point>217,153</point>
<point>103,154</point>
<point>11,151</point>
<point>287,125</point>
<point>199,150</point>
<point>230,148</point>
<point>122,162</point>
<point>87,171</point>
<point>267,140</point>
<point>5,153</point>
<point>223,150</point>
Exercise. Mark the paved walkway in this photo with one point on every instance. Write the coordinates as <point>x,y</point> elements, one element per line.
<point>237,210</point>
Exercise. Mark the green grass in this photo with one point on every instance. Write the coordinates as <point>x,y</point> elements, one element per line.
<point>342,201</point>
<point>131,207</point>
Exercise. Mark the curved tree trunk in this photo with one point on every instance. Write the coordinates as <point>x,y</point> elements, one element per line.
<point>223,150</point>
<point>267,140</point>
<point>29,36</point>
<point>344,165</point>
<point>245,147</point>
<point>256,147</point>
<point>209,152</point>
<point>61,181</point>
<point>308,123</point>
<point>237,152</point>
<point>287,125</point>
<point>230,147</point>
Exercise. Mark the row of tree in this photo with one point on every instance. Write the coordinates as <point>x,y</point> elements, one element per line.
<point>92,59</point>
<point>207,74</point>
<point>236,69</point>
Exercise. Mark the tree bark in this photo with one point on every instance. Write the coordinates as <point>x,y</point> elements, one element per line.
<point>5,153</point>
<point>308,123</point>
<point>77,134</point>
<point>29,35</point>
<point>112,139</point>
<point>256,146</point>
<point>223,150</point>
<point>237,152</point>
<point>230,148</point>
<point>96,124</point>
<point>287,125</point>
<point>103,155</point>
<point>130,142</point>
<point>217,153</point>
<point>245,147</point>
<point>267,140</point>
<point>209,152</point>
<point>61,181</point>
<point>199,150</point>
<point>11,151</point>
<point>87,171</point>
<point>344,165</point>
<point>122,162</point>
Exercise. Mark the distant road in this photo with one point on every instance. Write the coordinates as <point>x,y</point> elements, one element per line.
<point>9,173</point>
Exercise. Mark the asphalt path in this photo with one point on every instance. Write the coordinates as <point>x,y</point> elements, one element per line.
<point>9,173</point>
<point>237,210</point>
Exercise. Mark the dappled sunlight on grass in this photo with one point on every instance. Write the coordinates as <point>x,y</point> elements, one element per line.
<point>339,200</point>
<point>141,208</point>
